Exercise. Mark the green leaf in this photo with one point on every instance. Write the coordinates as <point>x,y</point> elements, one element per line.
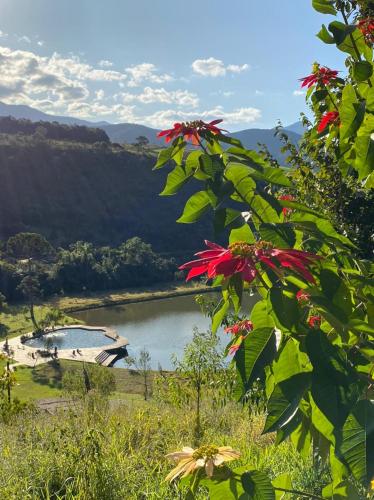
<point>336,291</point>
<point>283,481</point>
<point>257,351</point>
<point>362,70</point>
<point>211,165</point>
<point>262,210</point>
<point>243,233</point>
<point>325,36</point>
<point>175,180</point>
<point>356,447</point>
<point>227,218</point>
<point>219,313</point>
<point>364,147</point>
<point>324,6</point>
<point>300,207</point>
<point>285,309</point>
<point>175,152</point>
<point>239,176</point>
<point>281,235</point>
<point>195,207</point>
<point>340,31</point>
<point>258,485</point>
<point>351,113</point>
<point>225,484</point>
<point>285,400</point>
<point>260,316</point>
<point>333,380</point>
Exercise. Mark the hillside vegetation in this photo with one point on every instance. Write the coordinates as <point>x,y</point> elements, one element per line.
<point>102,193</point>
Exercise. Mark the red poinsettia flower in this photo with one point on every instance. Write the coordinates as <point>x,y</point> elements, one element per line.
<point>286,197</point>
<point>302,297</point>
<point>191,130</point>
<point>240,327</point>
<point>321,75</point>
<point>329,118</point>
<point>242,258</point>
<point>315,321</point>
<point>366,26</point>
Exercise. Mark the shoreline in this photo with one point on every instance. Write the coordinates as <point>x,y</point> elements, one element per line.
<point>78,303</point>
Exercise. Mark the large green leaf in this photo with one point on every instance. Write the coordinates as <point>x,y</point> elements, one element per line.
<point>333,380</point>
<point>285,400</point>
<point>256,352</point>
<point>257,485</point>
<point>260,316</point>
<point>244,185</point>
<point>356,447</point>
<point>351,113</point>
<point>362,70</point>
<point>283,482</point>
<point>242,233</point>
<point>336,290</point>
<point>281,235</point>
<point>175,180</point>
<point>262,210</point>
<point>227,218</point>
<point>285,309</point>
<point>173,152</point>
<point>325,36</point>
<point>364,147</point>
<point>324,6</point>
<point>219,313</point>
<point>195,207</point>
<point>225,484</point>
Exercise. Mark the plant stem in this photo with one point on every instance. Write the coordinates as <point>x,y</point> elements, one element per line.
<point>353,41</point>
<point>302,493</point>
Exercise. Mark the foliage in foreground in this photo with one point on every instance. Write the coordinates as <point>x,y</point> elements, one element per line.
<point>311,336</point>
<point>117,454</point>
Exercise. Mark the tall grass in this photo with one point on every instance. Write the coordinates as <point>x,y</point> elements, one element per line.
<point>93,452</point>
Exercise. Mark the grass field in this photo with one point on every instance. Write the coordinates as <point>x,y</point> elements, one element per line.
<point>126,296</point>
<point>44,381</point>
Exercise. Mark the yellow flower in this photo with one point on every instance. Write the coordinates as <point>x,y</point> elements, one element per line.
<point>206,456</point>
<point>372,485</point>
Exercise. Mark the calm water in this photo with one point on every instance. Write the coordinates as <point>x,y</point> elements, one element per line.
<point>163,326</point>
<point>72,338</point>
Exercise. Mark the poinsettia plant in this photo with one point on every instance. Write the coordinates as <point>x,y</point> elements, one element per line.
<point>310,336</point>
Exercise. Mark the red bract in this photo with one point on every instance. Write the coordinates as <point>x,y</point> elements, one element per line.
<point>366,26</point>
<point>302,297</point>
<point>190,130</point>
<point>321,75</point>
<point>287,197</point>
<point>244,326</point>
<point>314,321</point>
<point>242,258</point>
<point>330,118</point>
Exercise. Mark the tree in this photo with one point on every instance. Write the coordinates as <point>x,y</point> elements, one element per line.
<point>30,289</point>
<point>199,366</point>
<point>141,142</point>
<point>29,246</point>
<point>142,364</point>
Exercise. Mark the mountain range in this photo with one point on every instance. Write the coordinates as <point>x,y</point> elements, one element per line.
<point>128,132</point>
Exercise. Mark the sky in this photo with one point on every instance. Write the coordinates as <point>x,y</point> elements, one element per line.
<point>155,62</point>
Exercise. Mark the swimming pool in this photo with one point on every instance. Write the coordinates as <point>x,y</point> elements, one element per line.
<point>71,338</point>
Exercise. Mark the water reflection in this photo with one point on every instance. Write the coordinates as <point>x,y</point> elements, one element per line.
<point>161,326</point>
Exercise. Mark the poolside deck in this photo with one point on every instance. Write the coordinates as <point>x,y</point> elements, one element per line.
<point>27,355</point>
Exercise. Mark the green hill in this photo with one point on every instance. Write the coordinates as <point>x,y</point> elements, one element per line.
<point>102,193</point>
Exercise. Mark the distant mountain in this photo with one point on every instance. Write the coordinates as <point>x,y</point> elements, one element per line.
<point>20,111</point>
<point>128,132</point>
<point>251,137</point>
<point>296,127</point>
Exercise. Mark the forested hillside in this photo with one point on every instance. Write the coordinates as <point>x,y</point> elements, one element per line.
<point>69,191</point>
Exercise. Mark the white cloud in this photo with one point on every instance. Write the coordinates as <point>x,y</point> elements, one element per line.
<point>3,35</point>
<point>161,95</point>
<point>163,119</point>
<point>146,72</point>
<point>40,43</point>
<point>259,92</point>
<point>24,39</point>
<point>104,63</point>
<point>215,67</point>
<point>298,92</point>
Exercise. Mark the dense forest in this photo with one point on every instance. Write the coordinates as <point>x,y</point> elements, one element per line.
<point>97,192</point>
<point>28,258</point>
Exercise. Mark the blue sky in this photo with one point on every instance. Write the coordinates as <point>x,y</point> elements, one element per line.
<point>159,61</point>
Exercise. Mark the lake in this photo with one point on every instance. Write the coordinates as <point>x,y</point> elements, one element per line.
<point>162,326</point>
